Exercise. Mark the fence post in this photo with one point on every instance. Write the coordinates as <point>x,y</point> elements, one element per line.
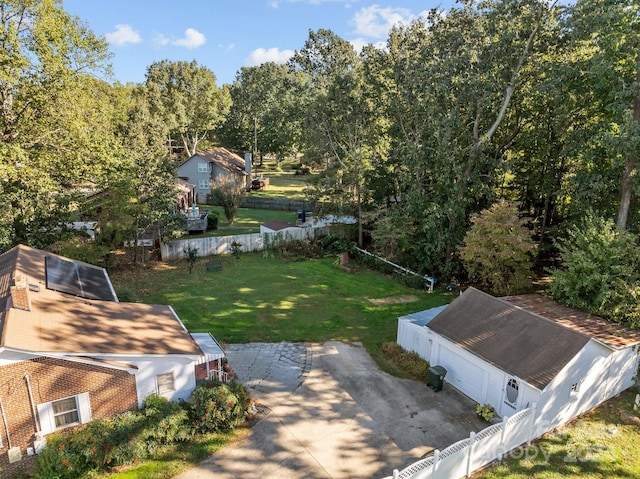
<point>396,474</point>
<point>436,458</point>
<point>534,420</point>
<point>503,433</point>
<point>472,440</point>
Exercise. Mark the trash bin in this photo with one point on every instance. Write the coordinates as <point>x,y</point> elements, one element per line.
<point>436,377</point>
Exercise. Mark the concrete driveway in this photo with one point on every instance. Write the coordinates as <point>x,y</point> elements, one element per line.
<point>334,414</point>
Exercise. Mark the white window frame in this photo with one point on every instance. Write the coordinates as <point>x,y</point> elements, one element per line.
<point>169,388</point>
<point>203,167</point>
<point>203,184</point>
<point>48,416</point>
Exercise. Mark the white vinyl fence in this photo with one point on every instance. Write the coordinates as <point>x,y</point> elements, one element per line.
<point>222,244</point>
<point>479,449</point>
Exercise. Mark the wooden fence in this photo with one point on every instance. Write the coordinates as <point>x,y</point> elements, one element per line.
<point>261,202</point>
<point>464,457</point>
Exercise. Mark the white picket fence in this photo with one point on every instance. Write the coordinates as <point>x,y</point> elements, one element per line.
<point>222,244</point>
<point>464,457</point>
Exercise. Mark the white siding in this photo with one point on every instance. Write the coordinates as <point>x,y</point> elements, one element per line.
<point>414,338</point>
<point>601,374</point>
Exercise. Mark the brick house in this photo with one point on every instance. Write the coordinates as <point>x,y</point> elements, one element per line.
<point>71,352</point>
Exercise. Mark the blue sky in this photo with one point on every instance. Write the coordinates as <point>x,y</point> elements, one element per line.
<point>225,35</point>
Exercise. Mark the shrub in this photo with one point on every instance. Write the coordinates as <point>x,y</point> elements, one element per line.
<point>212,220</point>
<point>486,411</point>
<point>123,439</point>
<point>409,362</point>
<point>214,407</point>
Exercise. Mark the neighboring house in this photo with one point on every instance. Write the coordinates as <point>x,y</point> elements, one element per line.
<point>71,352</point>
<point>205,167</point>
<point>518,351</point>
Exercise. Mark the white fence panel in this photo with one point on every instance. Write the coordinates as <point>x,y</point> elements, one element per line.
<point>464,457</point>
<point>452,461</point>
<point>487,446</point>
<point>213,245</point>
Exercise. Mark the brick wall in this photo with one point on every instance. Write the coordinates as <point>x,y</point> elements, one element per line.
<point>110,392</point>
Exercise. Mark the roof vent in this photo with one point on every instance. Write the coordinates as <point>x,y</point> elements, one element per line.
<point>20,294</point>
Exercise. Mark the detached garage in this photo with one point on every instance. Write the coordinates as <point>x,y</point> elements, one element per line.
<point>518,351</point>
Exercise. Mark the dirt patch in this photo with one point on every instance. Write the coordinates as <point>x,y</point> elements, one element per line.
<point>406,298</point>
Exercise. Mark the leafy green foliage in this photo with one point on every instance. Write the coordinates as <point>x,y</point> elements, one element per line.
<point>215,407</point>
<point>229,194</point>
<point>600,271</point>
<point>497,250</point>
<point>191,255</point>
<point>124,439</point>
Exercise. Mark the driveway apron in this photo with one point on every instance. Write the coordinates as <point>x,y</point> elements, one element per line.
<point>334,414</point>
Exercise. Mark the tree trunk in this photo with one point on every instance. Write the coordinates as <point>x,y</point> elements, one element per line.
<point>630,170</point>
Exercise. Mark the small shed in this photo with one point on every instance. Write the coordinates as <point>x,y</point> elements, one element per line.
<point>277,227</point>
<point>516,351</point>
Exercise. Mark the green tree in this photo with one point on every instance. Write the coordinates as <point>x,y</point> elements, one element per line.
<point>186,97</point>
<point>140,191</point>
<point>229,194</point>
<point>454,80</point>
<point>340,125</point>
<point>600,271</point>
<point>265,114</point>
<point>51,119</point>
<point>497,250</point>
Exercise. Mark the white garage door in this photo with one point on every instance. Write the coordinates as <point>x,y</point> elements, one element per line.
<point>464,375</point>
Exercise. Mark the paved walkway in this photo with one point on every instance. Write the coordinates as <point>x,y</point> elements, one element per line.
<point>333,415</point>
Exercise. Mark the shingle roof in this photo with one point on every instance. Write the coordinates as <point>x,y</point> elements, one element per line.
<point>224,159</point>
<point>611,334</point>
<point>278,225</point>
<point>524,344</point>
<point>62,323</point>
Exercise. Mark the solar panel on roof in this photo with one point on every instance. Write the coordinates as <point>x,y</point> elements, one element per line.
<point>79,279</point>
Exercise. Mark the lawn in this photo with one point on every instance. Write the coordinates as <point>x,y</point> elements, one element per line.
<point>246,221</point>
<point>262,298</point>
<point>283,182</point>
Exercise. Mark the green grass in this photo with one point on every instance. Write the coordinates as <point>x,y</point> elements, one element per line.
<point>597,445</point>
<point>246,221</point>
<point>259,298</point>
<point>174,460</point>
<point>283,182</point>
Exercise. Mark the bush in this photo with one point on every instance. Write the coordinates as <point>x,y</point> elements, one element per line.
<point>216,407</point>
<point>212,220</point>
<point>124,439</point>
<point>409,362</point>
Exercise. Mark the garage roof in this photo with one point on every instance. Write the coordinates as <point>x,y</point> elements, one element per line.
<point>521,343</point>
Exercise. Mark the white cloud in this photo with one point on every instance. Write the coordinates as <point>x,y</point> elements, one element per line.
<point>124,34</point>
<point>192,39</point>
<point>226,47</point>
<point>160,39</point>
<point>262,55</point>
<point>375,22</point>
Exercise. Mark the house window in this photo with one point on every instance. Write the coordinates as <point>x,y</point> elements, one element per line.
<point>65,412</point>
<point>512,391</point>
<point>165,383</point>
<point>203,184</point>
<point>203,168</point>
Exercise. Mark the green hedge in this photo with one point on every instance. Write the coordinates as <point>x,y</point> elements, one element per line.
<point>136,435</point>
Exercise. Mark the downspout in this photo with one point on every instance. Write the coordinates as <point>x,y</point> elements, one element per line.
<point>33,407</point>
<point>6,426</point>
